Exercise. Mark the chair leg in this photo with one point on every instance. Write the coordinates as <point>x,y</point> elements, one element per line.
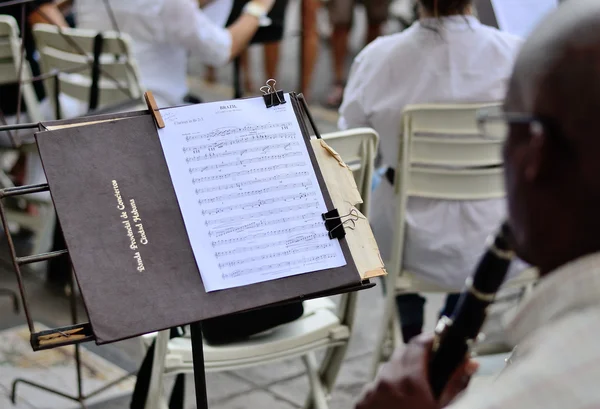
<point>389,330</point>
<point>155,399</point>
<point>331,365</point>
<point>318,394</point>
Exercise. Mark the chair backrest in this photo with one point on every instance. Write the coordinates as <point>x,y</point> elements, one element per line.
<point>71,52</point>
<point>357,147</point>
<point>11,59</point>
<point>444,156</point>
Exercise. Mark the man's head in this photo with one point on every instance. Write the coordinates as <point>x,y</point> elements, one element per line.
<point>553,162</point>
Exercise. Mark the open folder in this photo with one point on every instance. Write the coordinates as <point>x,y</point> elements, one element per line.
<point>228,207</point>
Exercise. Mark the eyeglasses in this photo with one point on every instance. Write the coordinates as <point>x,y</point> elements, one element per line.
<point>495,125</point>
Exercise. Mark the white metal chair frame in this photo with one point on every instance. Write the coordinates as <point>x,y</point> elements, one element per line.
<point>442,156</point>
<point>12,63</point>
<point>323,325</point>
<point>11,57</point>
<point>70,51</point>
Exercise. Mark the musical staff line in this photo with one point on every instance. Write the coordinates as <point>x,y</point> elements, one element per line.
<point>263,213</point>
<point>286,253</point>
<point>239,185</point>
<point>240,152</point>
<point>241,140</point>
<point>269,233</point>
<point>304,260</point>
<point>240,162</point>
<point>242,172</point>
<point>234,130</point>
<point>261,223</point>
<point>258,192</point>
<point>259,203</point>
<point>287,243</point>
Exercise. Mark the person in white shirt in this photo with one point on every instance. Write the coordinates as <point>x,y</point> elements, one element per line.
<point>552,167</point>
<point>451,58</point>
<point>164,32</point>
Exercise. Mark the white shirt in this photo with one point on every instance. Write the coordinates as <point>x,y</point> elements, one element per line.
<point>459,60</point>
<point>164,32</point>
<point>558,359</point>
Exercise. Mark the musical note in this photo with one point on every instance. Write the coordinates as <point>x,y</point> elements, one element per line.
<point>228,131</point>
<point>261,269</point>
<point>261,223</point>
<point>259,203</point>
<point>285,209</point>
<point>250,193</point>
<point>276,255</point>
<point>241,162</point>
<point>286,243</point>
<point>233,175</point>
<point>269,233</point>
<point>238,141</point>
<point>239,185</point>
<point>261,149</point>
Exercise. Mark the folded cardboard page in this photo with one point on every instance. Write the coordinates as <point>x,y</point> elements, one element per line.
<point>345,197</point>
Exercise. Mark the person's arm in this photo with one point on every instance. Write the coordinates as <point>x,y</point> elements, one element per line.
<point>189,26</point>
<point>47,13</point>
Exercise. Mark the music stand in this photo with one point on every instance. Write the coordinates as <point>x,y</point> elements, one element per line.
<point>82,332</point>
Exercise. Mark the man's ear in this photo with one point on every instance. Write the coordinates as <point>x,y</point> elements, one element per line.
<point>537,152</point>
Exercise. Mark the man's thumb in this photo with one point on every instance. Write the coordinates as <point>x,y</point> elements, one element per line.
<point>459,381</point>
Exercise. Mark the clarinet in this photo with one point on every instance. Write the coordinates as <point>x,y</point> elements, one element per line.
<point>454,335</point>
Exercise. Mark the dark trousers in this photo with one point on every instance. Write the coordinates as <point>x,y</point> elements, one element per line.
<point>411,309</point>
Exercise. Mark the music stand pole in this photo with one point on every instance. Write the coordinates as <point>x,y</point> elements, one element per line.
<point>198,361</point>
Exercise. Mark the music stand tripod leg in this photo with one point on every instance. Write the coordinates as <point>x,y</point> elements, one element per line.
<point>198,361</point>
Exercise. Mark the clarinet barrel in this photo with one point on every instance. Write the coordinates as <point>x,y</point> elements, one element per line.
<point>454,335</point>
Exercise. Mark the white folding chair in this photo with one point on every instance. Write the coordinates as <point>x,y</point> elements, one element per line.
<point>442,156</point>
<point>12,63</point>
<point>323,325</point>
<point>11,58</point>
<point>70,53</point>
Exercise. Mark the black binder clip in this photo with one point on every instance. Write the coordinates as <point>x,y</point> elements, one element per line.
<point>334,223</point>
<point>271,96</point>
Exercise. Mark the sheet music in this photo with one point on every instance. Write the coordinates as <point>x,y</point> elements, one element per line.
<point>519,17</point>
<point>248,192</point>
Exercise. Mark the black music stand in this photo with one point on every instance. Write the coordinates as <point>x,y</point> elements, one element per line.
<point>82,332</point>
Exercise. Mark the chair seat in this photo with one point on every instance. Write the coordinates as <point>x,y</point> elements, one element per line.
<point>319,327</point>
